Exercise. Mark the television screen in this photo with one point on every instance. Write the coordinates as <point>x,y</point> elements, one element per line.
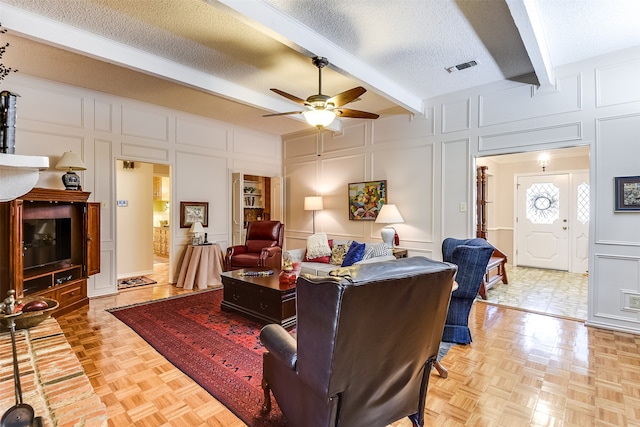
<point>46,241</point>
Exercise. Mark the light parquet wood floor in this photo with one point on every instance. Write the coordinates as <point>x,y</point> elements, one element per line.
<point>522,369</point>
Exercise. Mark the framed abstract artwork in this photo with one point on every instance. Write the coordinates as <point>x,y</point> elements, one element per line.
<point>191,212</point>
<point>366,199</point>
<point>627,193</point>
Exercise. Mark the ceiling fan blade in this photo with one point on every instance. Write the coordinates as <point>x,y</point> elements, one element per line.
<point>346,97</point>
<point>346,112</point>
<point>282,114</point>
<point>289,96</point>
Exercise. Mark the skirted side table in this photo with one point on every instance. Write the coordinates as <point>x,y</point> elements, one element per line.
<point>201,267</point>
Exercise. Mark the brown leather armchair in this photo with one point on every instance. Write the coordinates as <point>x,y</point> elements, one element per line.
<point>366,342</point>
<point>262,248</point>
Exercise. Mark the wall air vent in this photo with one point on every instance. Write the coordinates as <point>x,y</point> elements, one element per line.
<point>462,66</point>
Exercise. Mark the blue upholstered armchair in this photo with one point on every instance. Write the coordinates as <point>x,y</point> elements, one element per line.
<point>472,257</point>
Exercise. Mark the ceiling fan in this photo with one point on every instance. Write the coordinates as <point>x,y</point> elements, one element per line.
<point>322,109</point>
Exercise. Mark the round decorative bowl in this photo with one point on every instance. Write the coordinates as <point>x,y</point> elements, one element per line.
<point>29,319</point>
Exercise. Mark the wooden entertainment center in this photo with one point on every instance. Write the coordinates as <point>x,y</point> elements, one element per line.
<point>49,246</point>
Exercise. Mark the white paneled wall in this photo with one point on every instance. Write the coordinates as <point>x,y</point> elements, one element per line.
<point>54,118</point>
<point>365,151</point>
<point>430,167</point>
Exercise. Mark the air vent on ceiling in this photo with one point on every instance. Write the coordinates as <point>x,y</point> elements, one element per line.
<point>462,66</point>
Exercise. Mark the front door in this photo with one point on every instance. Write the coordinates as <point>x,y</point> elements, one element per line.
<point>542,221</point>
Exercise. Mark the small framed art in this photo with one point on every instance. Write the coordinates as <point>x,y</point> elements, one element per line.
<point>191,212</point>
<point>366,199</point>
<point>627,193</point>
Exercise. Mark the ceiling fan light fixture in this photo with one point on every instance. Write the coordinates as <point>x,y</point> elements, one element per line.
<point>323,109</point>
<point>319,118</point>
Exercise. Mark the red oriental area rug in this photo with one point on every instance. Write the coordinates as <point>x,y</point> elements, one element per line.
<point>220,351</point>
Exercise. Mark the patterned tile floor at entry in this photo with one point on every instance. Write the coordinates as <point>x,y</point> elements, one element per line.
<point>557,293</point>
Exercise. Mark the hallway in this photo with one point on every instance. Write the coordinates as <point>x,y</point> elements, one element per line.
<point>552,292</point>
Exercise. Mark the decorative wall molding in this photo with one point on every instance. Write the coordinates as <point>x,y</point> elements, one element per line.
<point>524,103</point>
<point>617,242</point>
<point>141,152</point>
<point>357,132</point>
<point>611,87</point>
<point>411,179</point>
<point>300,146</point>
<point>456,177</point>
<point>144,124</point>
<point>550,89</point>
<point>103,169</point>
<point>52,106</point>
<point>256,145</point>
<point>305,175</point>
<point>616,154</point>
<point>456,116</point>
<point>610,305</point>
<point>531,137</point>
<point>102,116</point>
<point>103,282</point>
<point>400,127</point>
<point>200,133</point>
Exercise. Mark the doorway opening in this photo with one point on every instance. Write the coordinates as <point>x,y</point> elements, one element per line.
<point>537,214</point>
<point>143,217</point>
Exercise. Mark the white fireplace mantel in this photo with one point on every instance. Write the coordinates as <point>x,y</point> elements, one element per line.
<point>19,174</point>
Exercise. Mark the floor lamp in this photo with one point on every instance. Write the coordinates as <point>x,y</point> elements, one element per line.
<point>313,203</point>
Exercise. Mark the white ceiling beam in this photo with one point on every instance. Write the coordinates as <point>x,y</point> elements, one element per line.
<point>527,19</point>
<point>85,43</point>
<point>279,26</point>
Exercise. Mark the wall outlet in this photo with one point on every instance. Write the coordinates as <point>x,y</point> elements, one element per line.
<point>634,301</point>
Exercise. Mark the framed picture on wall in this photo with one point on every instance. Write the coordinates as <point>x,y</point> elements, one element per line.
<point>191,212</point>
<point>366,199</point>
<point>627,193</point>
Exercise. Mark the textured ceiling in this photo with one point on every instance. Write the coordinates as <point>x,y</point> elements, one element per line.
<point>219,58</point>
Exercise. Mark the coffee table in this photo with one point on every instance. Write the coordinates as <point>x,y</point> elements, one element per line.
<point>260,297</point>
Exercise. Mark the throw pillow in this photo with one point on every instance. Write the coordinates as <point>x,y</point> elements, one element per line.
<point>320,259</point>
<point>318,246</point>
<point>338,252</point>
<point>376,250</point>
<point>355,253</point>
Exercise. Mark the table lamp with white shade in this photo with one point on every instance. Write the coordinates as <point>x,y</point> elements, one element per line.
<point>313,203</point>
<point>389,214</point>
<point>71,162</point>
<point>196,229</point>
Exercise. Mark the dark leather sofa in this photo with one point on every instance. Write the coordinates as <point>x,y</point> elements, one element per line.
<point>367,338</point>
